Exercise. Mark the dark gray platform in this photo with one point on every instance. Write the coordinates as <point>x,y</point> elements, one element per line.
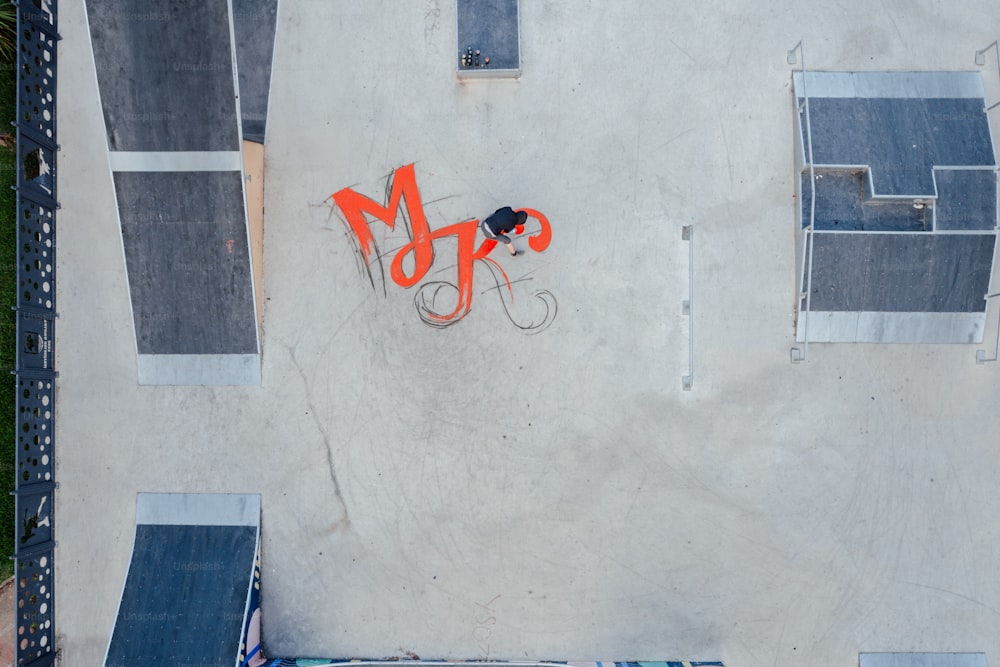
<point>945,273</point>
<point>254,23</point>
<point>186,593</point>
<point>491,27</point>
<point>188,262</point>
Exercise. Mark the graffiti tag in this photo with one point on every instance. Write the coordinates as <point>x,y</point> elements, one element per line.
<point>413,261</point>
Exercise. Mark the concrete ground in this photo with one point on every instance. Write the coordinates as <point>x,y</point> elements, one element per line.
<point>475,492</point>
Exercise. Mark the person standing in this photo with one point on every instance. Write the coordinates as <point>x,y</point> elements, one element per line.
<point>504,220</point>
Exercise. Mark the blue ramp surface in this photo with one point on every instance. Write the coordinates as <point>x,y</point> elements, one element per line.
<point>186,596</point>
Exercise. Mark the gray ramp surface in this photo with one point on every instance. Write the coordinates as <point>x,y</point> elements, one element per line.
<point>165,72</point>
<point>254,26</point>
<point>189,262</point>
<point>900,139</point>
<point>901,272</point>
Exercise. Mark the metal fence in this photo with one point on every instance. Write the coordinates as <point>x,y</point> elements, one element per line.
<point>36,315</point>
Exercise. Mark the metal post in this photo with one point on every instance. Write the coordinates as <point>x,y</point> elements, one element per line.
<point>981,354</point>
<point>687,307</point>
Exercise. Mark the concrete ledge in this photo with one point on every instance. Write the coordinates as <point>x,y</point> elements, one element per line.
<point>487,73</point>
<point>199,369</point>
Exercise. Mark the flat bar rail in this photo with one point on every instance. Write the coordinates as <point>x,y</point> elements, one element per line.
<point>687,234</point>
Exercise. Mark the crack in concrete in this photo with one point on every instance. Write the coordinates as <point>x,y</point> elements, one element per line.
<point>345,518</point>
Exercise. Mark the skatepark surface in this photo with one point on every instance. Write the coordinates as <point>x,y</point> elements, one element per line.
<point>471,491</point>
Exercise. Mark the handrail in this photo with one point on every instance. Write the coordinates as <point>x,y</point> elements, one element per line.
<point>687,233</point>
<point>809,240</point>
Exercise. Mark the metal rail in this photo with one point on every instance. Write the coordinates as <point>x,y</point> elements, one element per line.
<point>803,354</point>
<point>687,307</point>
<point>981,60</point>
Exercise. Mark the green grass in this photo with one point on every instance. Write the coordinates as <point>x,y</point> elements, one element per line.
<point>8,333</point>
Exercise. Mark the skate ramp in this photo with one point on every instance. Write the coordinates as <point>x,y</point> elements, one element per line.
<point>192,586</point>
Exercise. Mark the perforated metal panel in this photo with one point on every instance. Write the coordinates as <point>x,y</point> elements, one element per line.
<point>34,610</point>
<point>36,96</point>
<point>36,312</point>
<point>36,236</point>
<point>35,400</point>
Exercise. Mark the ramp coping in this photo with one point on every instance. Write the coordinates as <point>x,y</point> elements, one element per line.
<point>949,85</point>
<point>198,509</point>
<point>176,160</point>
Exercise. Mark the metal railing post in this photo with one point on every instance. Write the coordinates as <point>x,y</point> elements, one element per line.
<point>981,354</point>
